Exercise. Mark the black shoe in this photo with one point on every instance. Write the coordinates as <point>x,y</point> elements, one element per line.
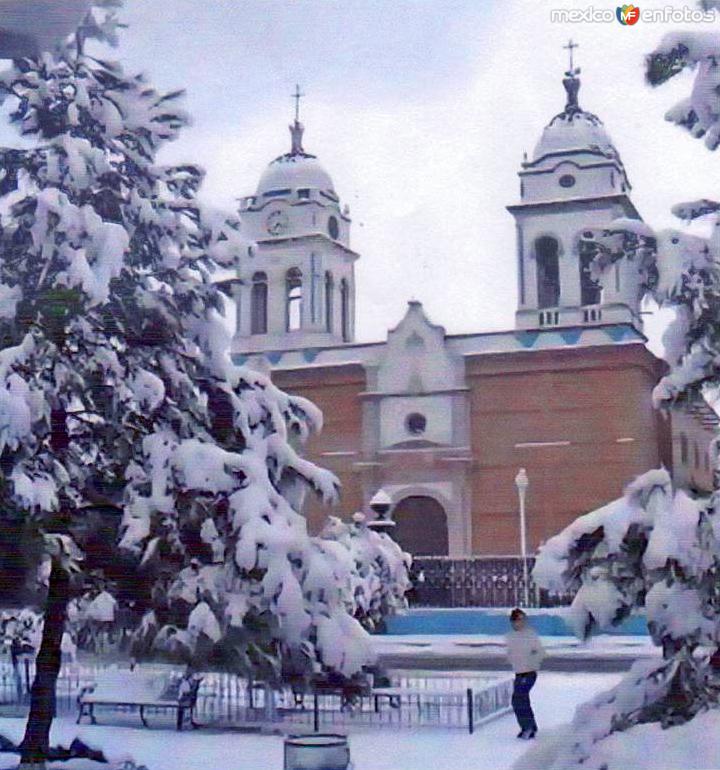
<point>521,734</point>
<point>529,734</point>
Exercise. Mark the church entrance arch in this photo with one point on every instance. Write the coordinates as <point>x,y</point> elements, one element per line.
<point>421,526</point>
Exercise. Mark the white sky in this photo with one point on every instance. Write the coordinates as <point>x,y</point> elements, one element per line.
<point>420,110</point>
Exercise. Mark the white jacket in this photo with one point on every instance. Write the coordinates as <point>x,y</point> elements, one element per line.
<point>524,650</point>
<point>102,608</point>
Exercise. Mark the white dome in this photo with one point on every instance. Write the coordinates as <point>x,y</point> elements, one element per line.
<point>294,171</point>
<point>581,131</point>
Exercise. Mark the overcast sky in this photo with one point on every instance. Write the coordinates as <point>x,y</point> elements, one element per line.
<point>420,110</point>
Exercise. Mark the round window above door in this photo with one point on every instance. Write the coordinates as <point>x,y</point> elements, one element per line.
<point>416,424</point>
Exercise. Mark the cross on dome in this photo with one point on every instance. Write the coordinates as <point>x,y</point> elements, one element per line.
<point>574,128</point>
<point>571,81</point>
<point>297,128</point>
<point>297,96</point>
<point>296,169</point>
<point>569,48</point>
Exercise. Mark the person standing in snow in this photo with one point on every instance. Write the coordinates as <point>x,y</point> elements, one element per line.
<point>525,653</point>
<point>101,612</point>
<point>68,649</point>
<point>16,652</point>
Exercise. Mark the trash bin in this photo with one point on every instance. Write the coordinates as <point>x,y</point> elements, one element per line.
<point>317,752</point>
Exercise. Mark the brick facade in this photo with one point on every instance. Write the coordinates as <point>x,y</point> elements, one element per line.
<point>595,400</point>
<point>579,420</point>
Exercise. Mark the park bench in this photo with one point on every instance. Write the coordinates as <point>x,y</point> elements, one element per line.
<point>349,690</point>
<point>143,690</point>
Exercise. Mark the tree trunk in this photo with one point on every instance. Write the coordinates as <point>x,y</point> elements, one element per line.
<point>36,742</point>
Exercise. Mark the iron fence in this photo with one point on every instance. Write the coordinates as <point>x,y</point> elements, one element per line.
<point>413,700</point>
<point>479,581</point>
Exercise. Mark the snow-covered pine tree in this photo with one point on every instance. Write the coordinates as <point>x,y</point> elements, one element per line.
<point>116,389</point>
<point>380,574</point>
<point>681,269</point>
<point>657,548</point>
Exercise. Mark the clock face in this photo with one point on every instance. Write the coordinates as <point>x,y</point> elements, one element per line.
<point>277,223</point>
<point>333,228</point>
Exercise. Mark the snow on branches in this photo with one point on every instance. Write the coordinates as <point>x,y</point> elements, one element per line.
<point>655,548</point>
<point>116,385</point>
<point>380,576</point>
<point>679,271</point>
<point>699,113</point>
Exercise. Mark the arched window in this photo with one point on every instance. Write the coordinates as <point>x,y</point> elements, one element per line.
<point>590,289</point>
<point>683,449</point>
<point>329,300</point>
<point>258,304</point>
<point>548,272</point>
<point>345,309</point>
<point>293,296</point>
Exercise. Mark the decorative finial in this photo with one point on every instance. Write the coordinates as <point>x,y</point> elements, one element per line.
<point>571,82</point>
<point>297,128</point>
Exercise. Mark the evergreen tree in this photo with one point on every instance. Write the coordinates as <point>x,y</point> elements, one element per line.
<point>657,548</point>
<point>116,388</point>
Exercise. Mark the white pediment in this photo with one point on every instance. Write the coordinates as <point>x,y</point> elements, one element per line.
<point>416,359</point>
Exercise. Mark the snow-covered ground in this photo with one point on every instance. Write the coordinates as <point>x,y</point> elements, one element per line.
<point>693,746</point>
<point>493,747</point>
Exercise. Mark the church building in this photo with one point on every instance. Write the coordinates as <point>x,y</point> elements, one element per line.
<point>444,422</point>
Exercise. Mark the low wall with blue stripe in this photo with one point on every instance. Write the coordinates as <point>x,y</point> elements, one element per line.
<point>493,623</point>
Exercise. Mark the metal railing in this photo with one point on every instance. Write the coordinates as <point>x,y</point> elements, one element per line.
<point>479,581</point>
<point>227,700</point>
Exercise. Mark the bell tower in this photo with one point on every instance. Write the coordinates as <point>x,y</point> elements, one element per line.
<point>297,289</point>
<point>574,182</point>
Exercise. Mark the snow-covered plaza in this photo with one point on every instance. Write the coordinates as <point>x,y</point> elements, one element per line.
<point>492,747</point>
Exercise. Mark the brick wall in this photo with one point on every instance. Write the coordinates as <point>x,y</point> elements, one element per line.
<point>589,398</point>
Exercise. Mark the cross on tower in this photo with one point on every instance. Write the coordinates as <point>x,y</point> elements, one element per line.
<point>297,96</point>
<point>569,48</point>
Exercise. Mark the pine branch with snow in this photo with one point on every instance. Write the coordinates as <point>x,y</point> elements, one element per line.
<point>380,573</point>
<point>699,113</point>
<point>655,549</point>
<point>116,388</point>
<point>680,271</point>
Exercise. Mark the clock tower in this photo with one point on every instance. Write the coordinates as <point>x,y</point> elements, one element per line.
<point>297,288</point>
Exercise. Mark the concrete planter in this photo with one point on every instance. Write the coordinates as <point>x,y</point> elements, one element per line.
<point>317,752</point>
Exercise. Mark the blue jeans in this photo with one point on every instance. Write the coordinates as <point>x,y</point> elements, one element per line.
<point>521,700</point>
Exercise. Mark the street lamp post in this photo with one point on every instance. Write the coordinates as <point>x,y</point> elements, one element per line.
<point>522,482</point>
